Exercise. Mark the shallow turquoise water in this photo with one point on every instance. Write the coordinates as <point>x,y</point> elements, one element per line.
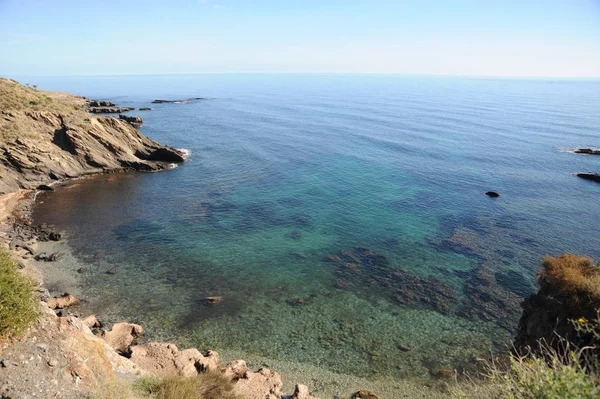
<point>342,218</point>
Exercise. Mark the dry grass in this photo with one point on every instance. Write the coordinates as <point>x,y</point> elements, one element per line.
<point>571,275</point>
<point>18,306</point>
<point>209,385</point>
<point>15,97</point>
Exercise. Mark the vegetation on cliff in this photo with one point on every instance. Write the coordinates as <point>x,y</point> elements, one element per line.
<point>557,348</point>
<point>18,306</point>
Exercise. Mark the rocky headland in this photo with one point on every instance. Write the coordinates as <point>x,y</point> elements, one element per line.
<point>46,137</point>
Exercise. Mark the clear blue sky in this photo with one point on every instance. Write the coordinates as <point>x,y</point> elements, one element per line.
<point>558,38</point>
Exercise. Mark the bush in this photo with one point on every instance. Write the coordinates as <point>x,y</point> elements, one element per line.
<point>571,275</point>
<point>570,375</point>
<point>18,306</point>
<point>209,385</point>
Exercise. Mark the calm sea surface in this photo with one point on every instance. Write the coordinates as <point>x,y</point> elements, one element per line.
<point>342,218</point>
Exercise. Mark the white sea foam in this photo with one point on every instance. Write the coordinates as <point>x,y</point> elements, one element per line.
<point>187,153</point>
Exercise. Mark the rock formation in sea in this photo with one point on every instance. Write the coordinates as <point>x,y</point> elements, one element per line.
<point>589,176</point>
<point>49,136</point>
<point>569,293</point>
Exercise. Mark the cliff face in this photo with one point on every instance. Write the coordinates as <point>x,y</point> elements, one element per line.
<point>569,291</point>
<point>47,136</point>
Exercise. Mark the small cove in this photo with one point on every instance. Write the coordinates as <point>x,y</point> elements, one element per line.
<point>346,228</point>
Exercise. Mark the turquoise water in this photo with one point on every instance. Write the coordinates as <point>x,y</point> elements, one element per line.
<point>342,218</point>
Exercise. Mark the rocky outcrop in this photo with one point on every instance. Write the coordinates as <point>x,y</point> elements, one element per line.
<point>105,107</point>
<point>177,101</point>
<point>587,151</point>
<point>589,176</point>
<point>134,121</point>
<point>63,301</point>
<point>264,384</point>
<point>58,139</point>
<point>122,336</point>
<point>99,103</point>
<point>166,359</point>
<point>568,293</point>
<point>302,392</point>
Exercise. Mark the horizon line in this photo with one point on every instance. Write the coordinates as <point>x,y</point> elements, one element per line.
<point>592,77</point>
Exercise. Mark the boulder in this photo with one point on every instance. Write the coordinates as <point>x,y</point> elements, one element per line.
<point>46,257</point>
<point>213,300</point>
<point>164,359</point>
<point>44,187</point>
<point>264,384</point>
<point>54,236</point>
<point>301,392</point>
<point>92,322</point>
<point>236,369</point>
<point>64,301</point>
<point>364,395</point>
<point>122,335</point>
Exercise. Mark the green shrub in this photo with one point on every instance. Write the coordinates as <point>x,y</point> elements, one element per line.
<point>209,385</point>
<point>535,378</point>
<point>18,306</point>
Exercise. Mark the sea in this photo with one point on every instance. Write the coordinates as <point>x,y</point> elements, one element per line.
<point>341,220</point>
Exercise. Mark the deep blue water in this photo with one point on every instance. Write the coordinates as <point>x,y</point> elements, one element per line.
<point>385,175</point>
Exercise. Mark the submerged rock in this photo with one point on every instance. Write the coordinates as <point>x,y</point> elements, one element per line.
<point>213,300</point>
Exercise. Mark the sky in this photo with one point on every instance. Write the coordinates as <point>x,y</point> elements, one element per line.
<point>525,38</point>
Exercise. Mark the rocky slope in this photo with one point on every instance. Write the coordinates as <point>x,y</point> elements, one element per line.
<point>46,136</point>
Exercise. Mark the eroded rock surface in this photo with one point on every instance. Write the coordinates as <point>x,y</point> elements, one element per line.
<point>165,358</point>
<point>122,336</point>
<point>47,136</point>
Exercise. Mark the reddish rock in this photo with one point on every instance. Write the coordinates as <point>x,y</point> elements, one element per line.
<point>92,322</point>
<point>236,369</point>
<point>122,336</point>
<point>302,392</point>
<point>165,359</point>
<point>62,302</point>
<point>264,384</point>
